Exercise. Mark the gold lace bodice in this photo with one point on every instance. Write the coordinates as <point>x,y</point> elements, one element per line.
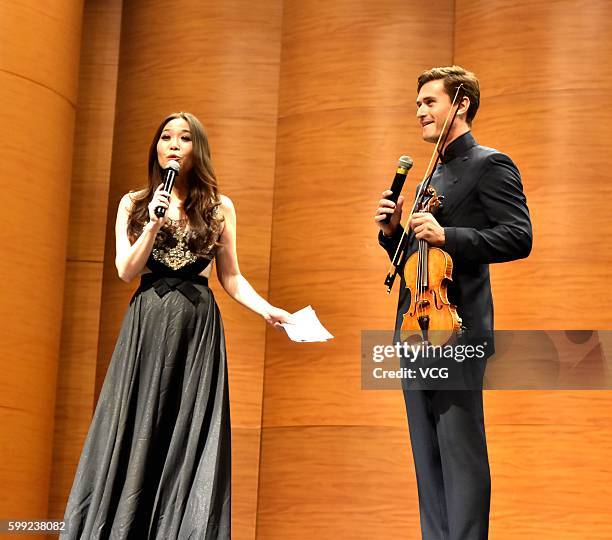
<point>175,252</point>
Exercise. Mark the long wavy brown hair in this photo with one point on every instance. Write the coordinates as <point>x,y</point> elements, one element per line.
<point>201,204</point>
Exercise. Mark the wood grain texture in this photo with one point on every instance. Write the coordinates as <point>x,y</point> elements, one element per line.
<point>545,85</point>
<point>245,477</point>
<point>85,253</point>
<point>335,459</point>
<point>304,138</point>
<point>76,377</point>
<point>40,44</point>
<point>550,481</point>
<point>330,482</point>
<point>549,108</point>
<point>347,54</point>
<point>326,254</point>
<point>585,408</point>
<point>39,47</point>
<point>358,482</point>
<point>338,133</point>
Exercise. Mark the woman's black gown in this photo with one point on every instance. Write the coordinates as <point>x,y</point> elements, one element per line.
<point>156,463</point>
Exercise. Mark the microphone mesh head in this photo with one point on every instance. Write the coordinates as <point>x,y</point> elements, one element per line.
<point>173,164</point>
<point>405,161</point>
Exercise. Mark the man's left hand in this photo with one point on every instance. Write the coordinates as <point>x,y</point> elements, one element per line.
<point>427,228</point>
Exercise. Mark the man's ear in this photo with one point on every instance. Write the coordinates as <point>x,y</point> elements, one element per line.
<point>464,105</point>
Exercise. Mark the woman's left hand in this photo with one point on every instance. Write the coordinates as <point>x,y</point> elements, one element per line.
<point>275,316</point>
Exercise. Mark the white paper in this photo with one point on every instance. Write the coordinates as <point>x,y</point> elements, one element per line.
<point>306,327</point>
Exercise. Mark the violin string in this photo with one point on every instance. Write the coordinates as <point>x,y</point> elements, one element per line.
<point>427,309</point>
<point>420,278</point>
<point>417,291</point>
<point>423,275</point>
<point>418,284</point>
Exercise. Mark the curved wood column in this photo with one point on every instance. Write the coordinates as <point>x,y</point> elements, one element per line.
<point>334,456</point>
<point>86,236</point>
<point>219,61</point>
<point>38,86</point>
<point>546,87</point>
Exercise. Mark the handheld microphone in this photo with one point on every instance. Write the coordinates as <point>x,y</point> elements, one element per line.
<point>170,173</point>
<point>403,166</point>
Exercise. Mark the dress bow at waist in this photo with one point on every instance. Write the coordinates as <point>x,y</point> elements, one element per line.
<point>163,284</point>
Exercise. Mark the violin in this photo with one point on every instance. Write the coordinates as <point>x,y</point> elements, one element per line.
<point>431,318</point>
<point>427,273</point>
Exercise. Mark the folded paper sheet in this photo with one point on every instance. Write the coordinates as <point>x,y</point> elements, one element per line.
<point>306,327</point>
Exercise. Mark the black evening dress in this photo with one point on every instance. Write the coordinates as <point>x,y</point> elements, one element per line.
<point>156,463</point>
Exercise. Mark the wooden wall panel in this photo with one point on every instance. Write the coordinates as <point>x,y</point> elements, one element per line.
<point>39,46</point>
<point>545,83</point>
<point>550,482</point>
<point>245,468</point>
<point>329,482</point>
<point>550,109</point>
<point>86,235</point>
<point>332,165</point>
<point>347,112</point>
<point>532,62</point>
<point>220,61</point>
<point>304,141</point>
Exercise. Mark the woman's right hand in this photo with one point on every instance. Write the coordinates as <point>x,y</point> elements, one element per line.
<point>160,198</point>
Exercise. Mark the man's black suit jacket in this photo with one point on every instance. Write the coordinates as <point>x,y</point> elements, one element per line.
<point>485,219</point>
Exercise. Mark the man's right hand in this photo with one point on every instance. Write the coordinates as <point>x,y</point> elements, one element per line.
<point>387,207</point>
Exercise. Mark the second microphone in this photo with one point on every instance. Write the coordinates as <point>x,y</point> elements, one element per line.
<point>403,166</point>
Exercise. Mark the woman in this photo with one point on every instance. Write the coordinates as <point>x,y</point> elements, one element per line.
<point>156,461</point>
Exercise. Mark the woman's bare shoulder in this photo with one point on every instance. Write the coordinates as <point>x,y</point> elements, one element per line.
<point>227,206</point>
<point>225,201</point>
<point>127,201</point>
<point>226,212</point>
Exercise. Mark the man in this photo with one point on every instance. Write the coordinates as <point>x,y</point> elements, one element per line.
<point>484,219</point>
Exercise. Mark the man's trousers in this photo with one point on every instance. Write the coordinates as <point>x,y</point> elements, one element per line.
<point>452,467</point>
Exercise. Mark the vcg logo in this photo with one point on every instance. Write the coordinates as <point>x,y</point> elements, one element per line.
<point>434,373</point>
